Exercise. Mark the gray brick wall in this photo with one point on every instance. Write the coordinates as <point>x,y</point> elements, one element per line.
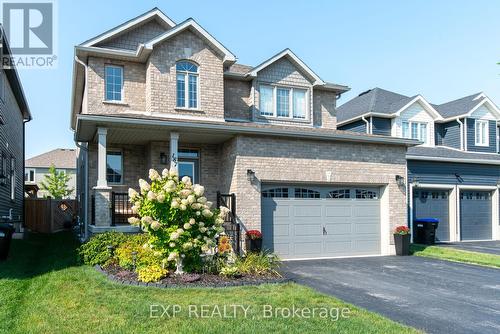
<point>161,76</point>
<point>288,161</point>
<point>324,112</point>
<point>133,89</point>
<point>131,40</point>
<point>237,99</point>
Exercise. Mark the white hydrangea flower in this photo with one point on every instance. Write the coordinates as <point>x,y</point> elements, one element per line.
<point>173,172</point>
<point>132,193</point>
<point>172,244</point>
<point>182,207</point>
<point>196,206</point>
<point>144,185</point>
<point>164,173</point>
<point>174,204</point>
<point>134,221</point>
<point>219,221</point>
<point>160,198</point>
<point>187,226</point>
<point>184,201</point>
<point>174,236</point>
<point>184,193</point>
<point>153,175</point>
<point>207,213</point>
<point>151,195</point>
<point>202,200</point>
<point>201,224</point>
<point>203,229</point>
<point>135,208</point>
<point>155,225</point>
<point>205,248</point>
<point>191,199</point>
<point>186,180</point>
<point>192,221</point>
<point>187,246</point>
<point>209,204</point>
<point>146,220</point>
<point>180,230</point>
<point>172,256</point>
<point>198,190</point>
<point>198,213</point>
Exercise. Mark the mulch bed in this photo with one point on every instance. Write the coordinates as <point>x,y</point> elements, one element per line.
<point>128,277</point>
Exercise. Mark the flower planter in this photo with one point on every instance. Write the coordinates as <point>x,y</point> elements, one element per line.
<point>402,243</point>
<point>253,245</point>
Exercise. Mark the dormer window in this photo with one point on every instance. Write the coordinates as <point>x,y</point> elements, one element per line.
<point>187,84</point>
<point>283,102</point>
<point>414,130</point>
<point>482,133</point>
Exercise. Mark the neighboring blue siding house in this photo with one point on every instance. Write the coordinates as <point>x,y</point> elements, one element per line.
<point>454,175</point>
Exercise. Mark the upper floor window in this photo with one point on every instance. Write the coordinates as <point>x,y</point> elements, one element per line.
<point>414,130</point>
<point>283,102</point>
<point>482,133</point>
<point>187,84</point>
<point>113,82</point>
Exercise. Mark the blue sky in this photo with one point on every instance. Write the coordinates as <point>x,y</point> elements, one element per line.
<point>440,49</point>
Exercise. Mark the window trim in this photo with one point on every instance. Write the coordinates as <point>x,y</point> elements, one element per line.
<point>486,124</point>
<point>291,110</point>
<point>419,130</point>
<point>186,86</point>
<point>122,92</point>
<point>195,160</point>
<point>123,173</point>
<point>13,185</point>
<point>28,170</point>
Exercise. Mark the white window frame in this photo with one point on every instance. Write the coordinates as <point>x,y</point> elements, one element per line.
<point>484,133</point>
<point>419,130</point>
<point>28,171</point>
<point>186,86</point>
<point>290,103</point>
<point>122,92</point>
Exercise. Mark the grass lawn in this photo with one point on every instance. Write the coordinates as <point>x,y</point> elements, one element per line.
<point>43,290</point>
<point>456,255</point>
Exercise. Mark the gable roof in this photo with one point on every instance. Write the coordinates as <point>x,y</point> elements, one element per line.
<point>153,14</point>
<point>374,101</point>
<point>465,106</point>
<point>192,25</point>
<point>60,158</point>
<point>446,154</point>
<point>294,59</point>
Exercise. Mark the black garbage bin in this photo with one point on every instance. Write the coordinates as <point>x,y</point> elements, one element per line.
<point>6,231</point>
<point>424,230</point>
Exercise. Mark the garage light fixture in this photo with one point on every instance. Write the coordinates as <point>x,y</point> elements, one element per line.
<point>400,180</point>
<point>250,175</point>
<point>415,183</point>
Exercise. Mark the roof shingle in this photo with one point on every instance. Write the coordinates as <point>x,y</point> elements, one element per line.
<point>60,158</point>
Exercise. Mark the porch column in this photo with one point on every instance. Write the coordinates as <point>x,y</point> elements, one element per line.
<point>102,192</point>
<point>101,158</point>
<point>174,151</point>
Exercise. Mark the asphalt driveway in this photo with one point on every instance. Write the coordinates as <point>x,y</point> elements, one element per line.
<point>432,295</point>
<point>491,247</point>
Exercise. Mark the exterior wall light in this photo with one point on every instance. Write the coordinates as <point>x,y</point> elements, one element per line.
<point>415,183</point>
<point>250,175</point>
<point>400,180</point>
<point>163,158</point>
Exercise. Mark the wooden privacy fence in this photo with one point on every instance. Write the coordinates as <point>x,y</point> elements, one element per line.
<point>45,215</point>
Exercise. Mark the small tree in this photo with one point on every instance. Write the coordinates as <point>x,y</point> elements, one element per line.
<point>56,184</point>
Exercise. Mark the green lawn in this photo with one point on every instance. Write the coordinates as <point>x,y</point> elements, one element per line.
<point>456,255</point>
<point>43,290</point>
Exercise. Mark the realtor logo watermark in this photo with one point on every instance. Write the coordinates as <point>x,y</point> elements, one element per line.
<point>30,27</point>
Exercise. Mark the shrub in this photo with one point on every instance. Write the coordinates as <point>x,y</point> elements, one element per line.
<point>95,251</point>
<point>177,217</point>
<point>144,256</point>
<point>152,273</point>
<point>230,271</point>
<point>258,264</point>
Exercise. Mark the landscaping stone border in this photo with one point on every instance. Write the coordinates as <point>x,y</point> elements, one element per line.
<point>113,278</point>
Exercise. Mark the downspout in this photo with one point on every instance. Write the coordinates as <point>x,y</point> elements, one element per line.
<point>367,124</point>
<point>462,140</point>
<point>465,135</point>
<point>85,198</point>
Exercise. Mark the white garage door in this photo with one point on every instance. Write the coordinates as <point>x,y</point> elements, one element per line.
<point>310,222</point>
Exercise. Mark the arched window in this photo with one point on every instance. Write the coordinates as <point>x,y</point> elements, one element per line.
<point>340,193</point>
<point>187,84</point>
<point>366,194</point>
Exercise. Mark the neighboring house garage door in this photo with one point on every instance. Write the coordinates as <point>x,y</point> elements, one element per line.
<point>475,215</point>
<point>431,203</point>
<point>310,222</point>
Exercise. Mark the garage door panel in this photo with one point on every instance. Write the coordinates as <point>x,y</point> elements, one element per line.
<point>475,215</point>
<point>295,225</point>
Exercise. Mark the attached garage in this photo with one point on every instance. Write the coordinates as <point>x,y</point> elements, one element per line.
<point>433,203</point>
<point>475,215</point>
<point>319,221</point>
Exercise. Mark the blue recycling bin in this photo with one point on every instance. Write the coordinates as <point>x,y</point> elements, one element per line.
<point>424,230</point>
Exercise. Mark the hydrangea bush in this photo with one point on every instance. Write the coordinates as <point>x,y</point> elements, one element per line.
<point>180,221</point>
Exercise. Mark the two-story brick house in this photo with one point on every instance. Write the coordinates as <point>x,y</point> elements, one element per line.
<point>454,175</point>
<point>151,93</point>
